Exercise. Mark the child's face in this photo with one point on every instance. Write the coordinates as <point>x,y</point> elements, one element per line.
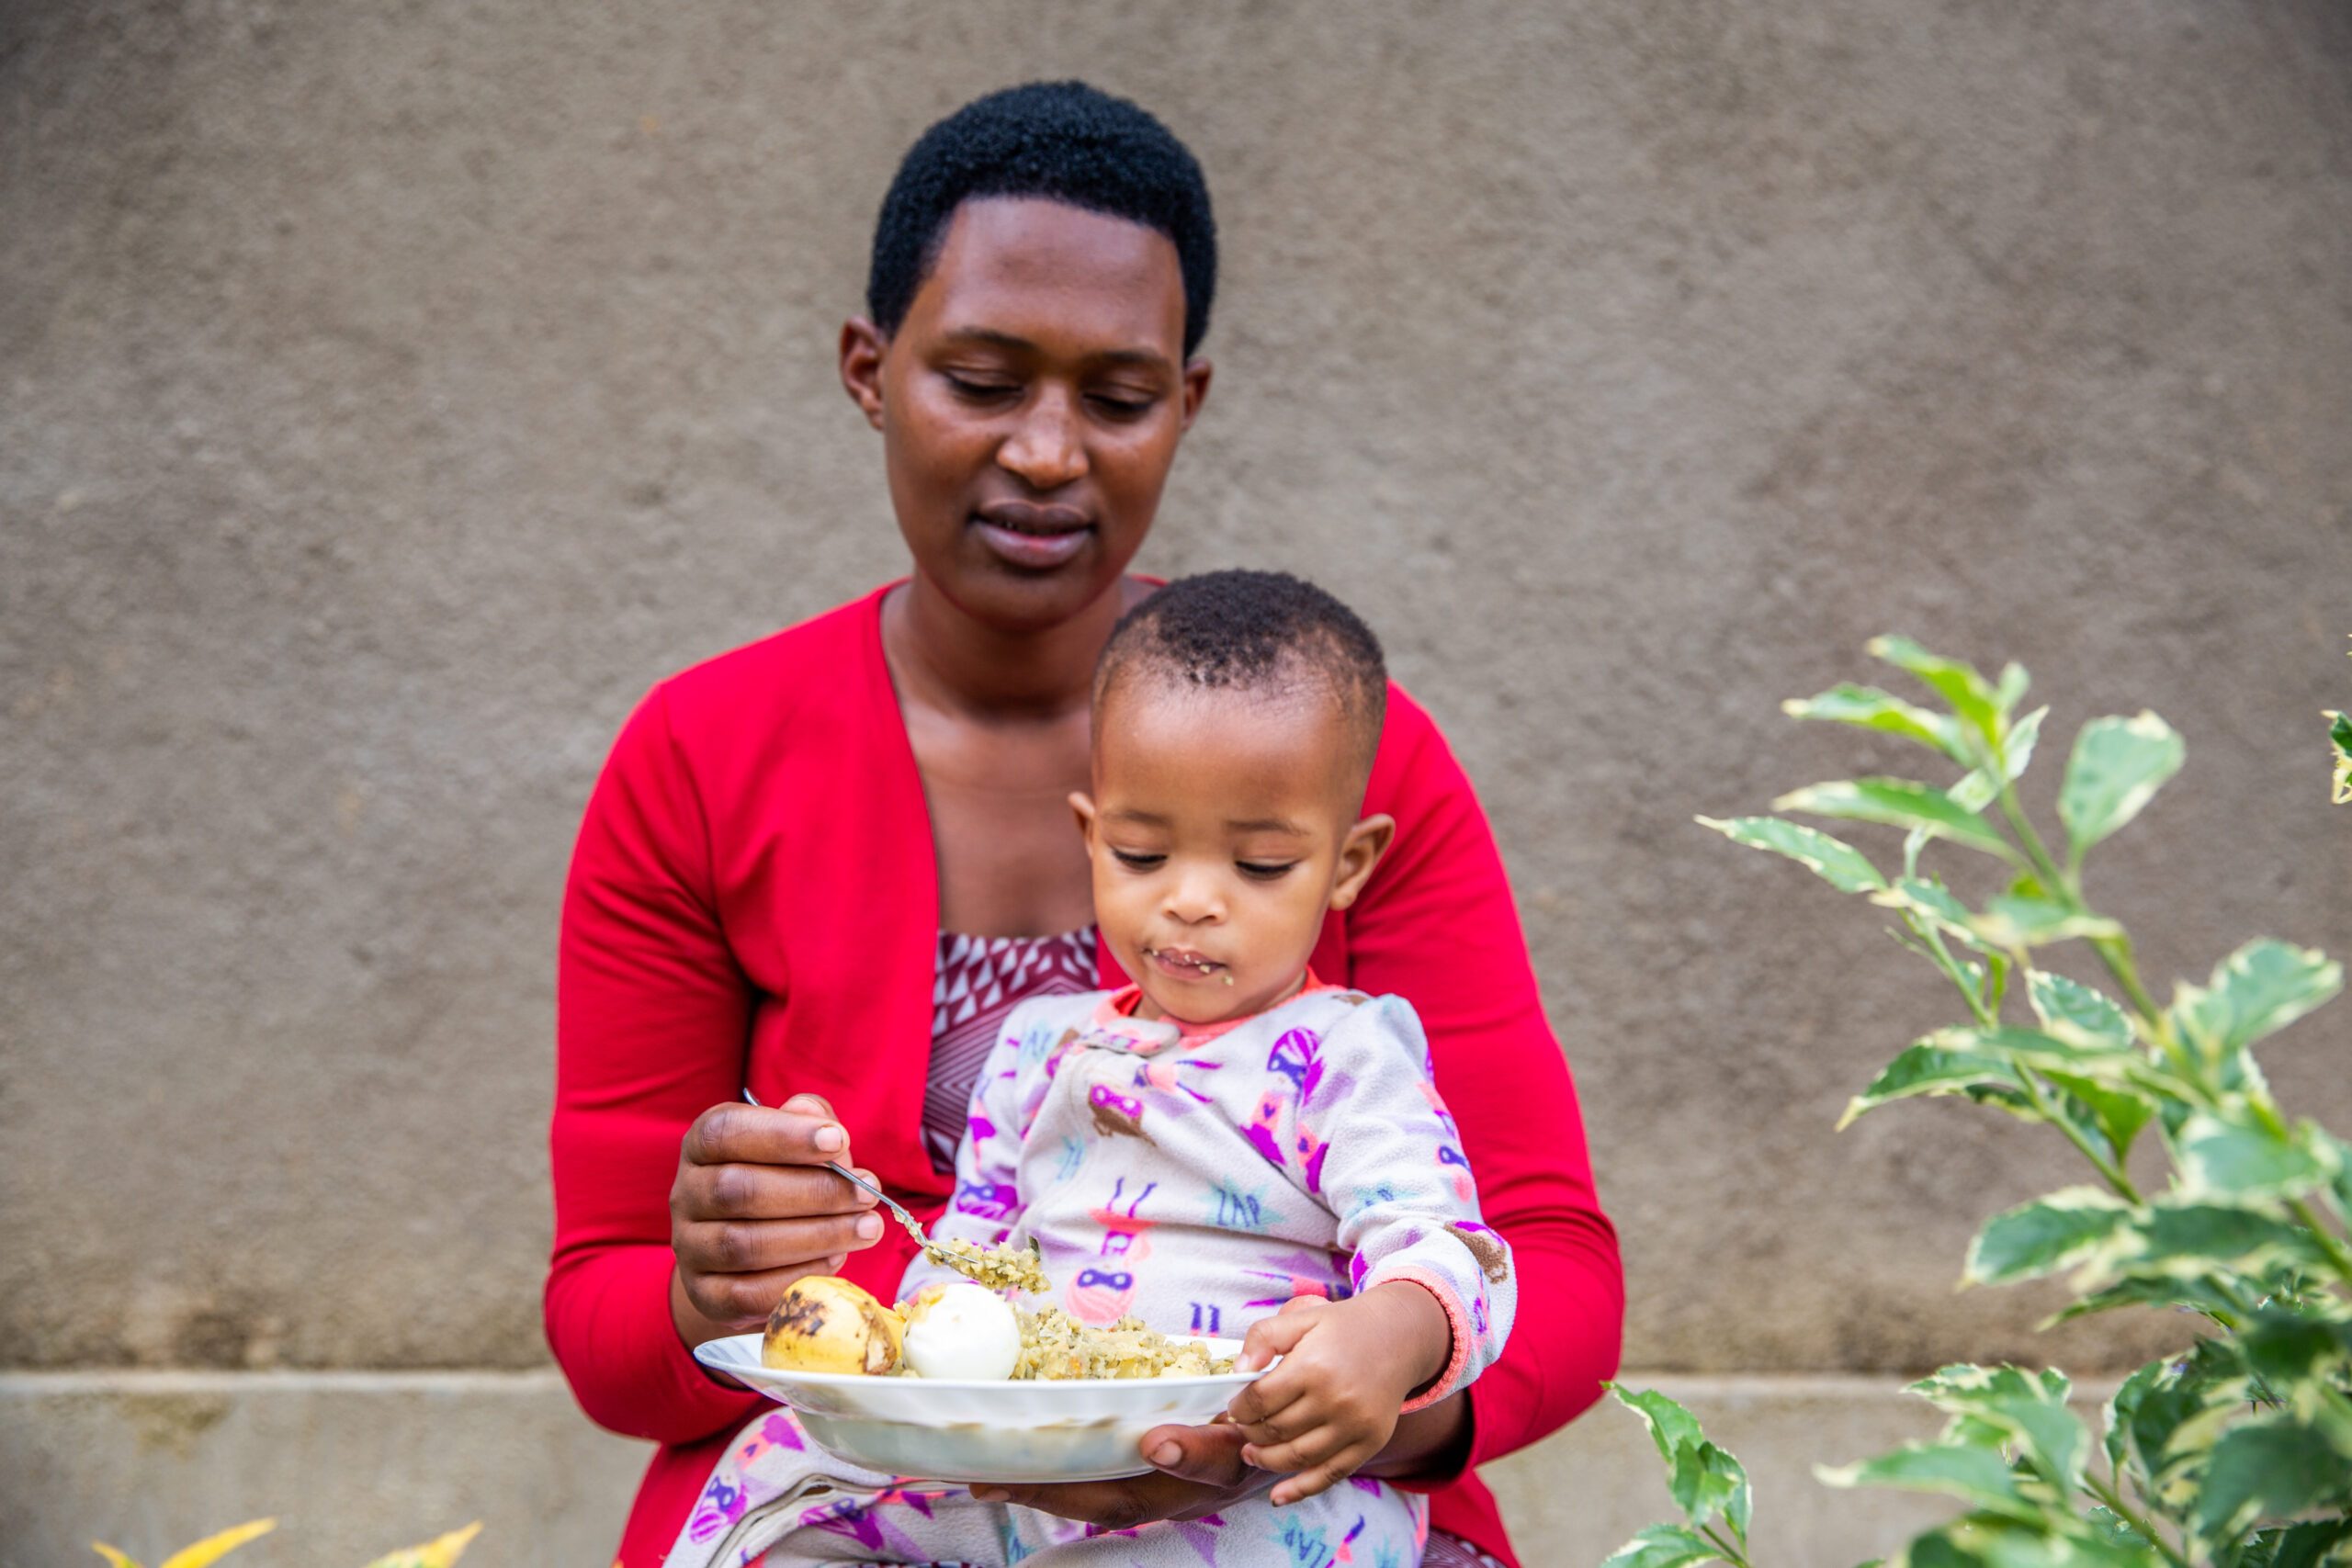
<point>1222,827</point>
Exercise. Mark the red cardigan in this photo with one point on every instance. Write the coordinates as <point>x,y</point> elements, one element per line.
<point>754,899</point>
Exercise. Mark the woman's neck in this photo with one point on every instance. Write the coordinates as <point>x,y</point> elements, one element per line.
<point>951,660</point>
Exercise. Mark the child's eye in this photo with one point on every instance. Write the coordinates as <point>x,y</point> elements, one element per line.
<point>1135,862</point>
<point>1264,871</point>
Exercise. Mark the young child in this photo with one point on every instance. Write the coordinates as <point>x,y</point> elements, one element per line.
<point>1226,1147</point>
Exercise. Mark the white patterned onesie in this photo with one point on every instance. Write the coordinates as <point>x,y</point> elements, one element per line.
<point>1197,1180</point>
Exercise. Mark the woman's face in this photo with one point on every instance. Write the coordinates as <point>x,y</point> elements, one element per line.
<point>1030,405</point>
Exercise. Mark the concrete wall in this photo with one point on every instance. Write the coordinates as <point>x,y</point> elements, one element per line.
<point>389,394</point>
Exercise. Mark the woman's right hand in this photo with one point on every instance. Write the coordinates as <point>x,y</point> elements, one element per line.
<point>753,1210</point>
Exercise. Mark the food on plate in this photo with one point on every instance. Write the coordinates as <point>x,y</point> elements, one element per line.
<point>960,1331</point>
<point>998,1268</point>
<point>1055,1344</point>
<point>826,1325</point>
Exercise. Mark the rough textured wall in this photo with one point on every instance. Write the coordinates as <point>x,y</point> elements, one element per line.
<point>389,394</point>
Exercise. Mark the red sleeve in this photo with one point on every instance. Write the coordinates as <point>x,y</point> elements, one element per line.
<point>1437,926</point>
<point>650,1020</point>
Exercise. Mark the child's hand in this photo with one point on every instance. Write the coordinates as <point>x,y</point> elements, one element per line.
<point>1347,1370</point>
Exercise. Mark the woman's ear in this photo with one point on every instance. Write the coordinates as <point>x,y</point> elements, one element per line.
<point>1196,389</point>
<point>1081,804</point>
<point>1359,852</point>
<point>863,348</point>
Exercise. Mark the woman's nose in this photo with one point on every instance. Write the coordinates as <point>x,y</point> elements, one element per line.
<point>1046,450</point>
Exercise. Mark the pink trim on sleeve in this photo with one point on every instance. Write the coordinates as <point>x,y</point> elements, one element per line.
<point>1456,1321</point>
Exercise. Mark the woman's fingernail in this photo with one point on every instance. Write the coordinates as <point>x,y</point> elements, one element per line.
<point>869,1227</point>
<point>831,1138</point>
<point>989,1494</point>
<point>1165,1455</point>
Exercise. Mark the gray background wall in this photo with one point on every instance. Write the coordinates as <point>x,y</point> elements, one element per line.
<point>389,394</point>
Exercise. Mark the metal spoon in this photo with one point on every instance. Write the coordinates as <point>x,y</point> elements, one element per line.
<point>914,1226</point>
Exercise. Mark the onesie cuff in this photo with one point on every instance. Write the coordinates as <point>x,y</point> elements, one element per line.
<point>1457,1325</point>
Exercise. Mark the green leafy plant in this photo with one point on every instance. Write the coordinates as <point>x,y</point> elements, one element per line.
<point>2236,1453</point>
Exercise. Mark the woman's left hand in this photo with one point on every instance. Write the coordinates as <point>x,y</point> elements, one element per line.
<point>1200,1471</point>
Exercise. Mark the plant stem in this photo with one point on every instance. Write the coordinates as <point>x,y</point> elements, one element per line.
<point>1952,971</point>
<point>2229,1292</point>
<point>2106,1168</point>
<point>1730,1554</point>
<point>2115,953</point>
<point>2337,1255</point>
<point>2113,1498</point>
<point>2052,878</point>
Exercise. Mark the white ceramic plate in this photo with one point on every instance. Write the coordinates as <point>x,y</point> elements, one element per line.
<point>963,1429</point>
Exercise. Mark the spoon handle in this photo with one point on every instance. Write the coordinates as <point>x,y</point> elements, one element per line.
<point>914,1226</point>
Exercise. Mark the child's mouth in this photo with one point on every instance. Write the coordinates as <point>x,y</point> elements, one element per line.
<point>1182,963</point>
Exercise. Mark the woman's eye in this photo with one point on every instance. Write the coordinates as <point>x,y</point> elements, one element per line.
<point>1135,862</point>
<point>965,385</point>
<point>1122,407</point>
<point>1264,871</point>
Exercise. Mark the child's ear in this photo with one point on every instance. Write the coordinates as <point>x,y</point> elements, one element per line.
<point>1359,852</point>
<point>1081,804</point>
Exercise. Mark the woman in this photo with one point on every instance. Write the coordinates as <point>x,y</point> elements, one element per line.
<point>825,864</point>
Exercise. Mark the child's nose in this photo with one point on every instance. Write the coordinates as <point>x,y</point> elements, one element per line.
<point>1194,899</point>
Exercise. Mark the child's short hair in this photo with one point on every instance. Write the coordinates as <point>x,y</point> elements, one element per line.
<point>1254,631</point>
<point>1060,141</point>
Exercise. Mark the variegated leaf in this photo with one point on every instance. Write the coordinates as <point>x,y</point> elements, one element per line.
<point>2044,1236</point>
<point>1927,1069</point>
<point>2245,1159</point>
<point>2176,1239</point>
<point>1663,1545</point>
<point>2183,1295</point>
<point>2028,1409</point>
<point>1932,902</point>
<point>1870,708</point>
<point>2322,1543</point>
<point>2118,766</point>
<point>1978,1476</point>
<point>2285,1348</point>
<point>2256,991</point>
<point>1972,697</point>
<point>2073,1011</point>
<point>1706,1480</point>
<point>2112,1114</point>
<point>2166,1416</point>
<point>1836,861</point>
<point>2014,921</point>
<point>1898,803</point>
<point>2271,1467</point>
<point>1671,1427</point>
<point>1977,790</point>
<point>2047,1053</point>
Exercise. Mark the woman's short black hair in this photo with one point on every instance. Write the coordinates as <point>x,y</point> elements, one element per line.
<point>1254,631</point>
<point>1065,141</point>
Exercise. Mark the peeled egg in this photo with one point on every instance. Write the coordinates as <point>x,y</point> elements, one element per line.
<point>961,1331</point>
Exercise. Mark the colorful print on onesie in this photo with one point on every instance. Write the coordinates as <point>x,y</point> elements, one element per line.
<point>1196,1179</point>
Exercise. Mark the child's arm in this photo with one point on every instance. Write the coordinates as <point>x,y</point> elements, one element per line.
<point>987,1205</point>
<point>1434,1293</point>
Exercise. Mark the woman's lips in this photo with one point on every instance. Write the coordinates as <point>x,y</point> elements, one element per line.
<point>1181,963</point>
<point>1030,535</point>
